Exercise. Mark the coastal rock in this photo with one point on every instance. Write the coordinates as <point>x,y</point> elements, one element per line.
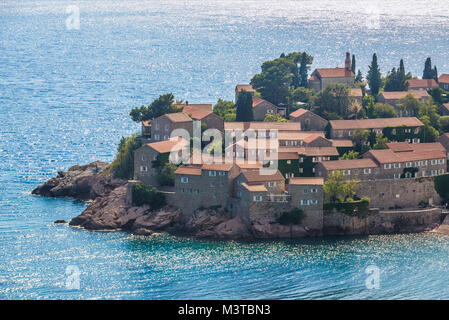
<point>60,222</point>
<point>267,229</point>
<point>85,182</point>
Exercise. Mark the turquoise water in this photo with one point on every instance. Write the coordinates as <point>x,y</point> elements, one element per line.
<point>65,97</point>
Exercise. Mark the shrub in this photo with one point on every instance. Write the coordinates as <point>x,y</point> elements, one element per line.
<point>294,217</point>
<point>142,194</point>
<point>357,208</point>
<point>123,164</point>
<point>442,186</point>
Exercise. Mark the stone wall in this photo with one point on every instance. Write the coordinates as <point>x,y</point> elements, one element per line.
<point>404,193</point>
<point>382,222</point>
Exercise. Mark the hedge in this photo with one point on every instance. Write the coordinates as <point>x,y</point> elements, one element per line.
<point>355,208</point>
<point>142,194</point>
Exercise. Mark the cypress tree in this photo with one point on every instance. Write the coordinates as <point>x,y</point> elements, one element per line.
<point>353,65</point>
<point>244,107</point>
<point>303,70</point>
<point>435,73</point>
<point>428,73</point>
<point>374,76</point>
<point>402,77</point>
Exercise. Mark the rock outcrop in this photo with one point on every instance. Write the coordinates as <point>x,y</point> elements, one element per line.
<point>81,182</point>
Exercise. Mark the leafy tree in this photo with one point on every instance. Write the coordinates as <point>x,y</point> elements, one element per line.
<point>437,95</point>
<point>223,108</point>
<point>244,107</point>
<point>162,105</point>
<point>279,76</point>
<point>396,80</point>
<point>429,133</point>
<point>431,111</point>
<point>409,105</point>
<point>368,103</point>
<point>123,165</point>
<point>381,142</point>
<point>303,95</point>
<point>333,101</point>
<point>350,155</point>
<point>374,76</point>
<point>166,176</point>
<point>303,70</point>
<point>442,186</point>
<point>382,110</point>
<point>360,138</point>
<point>274,118</point>
<point>338,190</point>
<point>444,124</point>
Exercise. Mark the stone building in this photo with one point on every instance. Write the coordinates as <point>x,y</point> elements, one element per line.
<point>204,114</point>
<point>162,127</point>
<point>402,129</point>
<point>309,120</point>
<point>307,194</point>
<point>393,98</point>
<point>444,140</point>
<point>244,87</point>
<point>145,155</point>
<point>356,96</point>
<point>261,108</point>
<point>444,109</point>
<point>205,185</point>
<point>422,84</point>
<point>443,81</point>
<point>358,169</point>
<point>321,78</point>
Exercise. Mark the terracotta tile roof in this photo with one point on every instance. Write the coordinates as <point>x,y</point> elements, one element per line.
<point>415,147</point>
<point>446,106</point>
<point>194,171</point>
<point>313,137</point>
<point>299,150</point>
<point>319,151</point>
<point>444,78</point>
<point>255,187</point>
<point>422,83</point>
<point>257,101</point>
<point>174,144</point>
<point>287,156</point>
<point>246,87</point>
<point>255,176</point>
<point>342,143</point>
<point>280,126</point>
<point>178,117</point>
<point>356,93</point>
<point>389,156</point>
<point>299,135</point>
<point>396,95</point>
<point>349,164</point>
<point>194,106</point>
<point>334,72</point>
<point>307,181</point>
<point>146,123</point>
<point>298,113</point>
<point>313,78</point>
<point>376,123</point>
<point>217,166</point>
<point>196,111</point>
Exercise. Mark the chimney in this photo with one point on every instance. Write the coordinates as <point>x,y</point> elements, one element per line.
<point>348,61</point>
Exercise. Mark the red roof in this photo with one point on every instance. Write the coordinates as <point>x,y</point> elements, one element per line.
<point>396,95</point>
<point>389,156</point>
<point>298,113</point>
<point>255,176</point>
<point>307,181</point>
<point>334,72</point>
<point>246,87</point>
<point>375,123</point>
<point>444,78</point>
<point>422,83</point>
<point>174,144</point>
<point>349,164</point>
<point>446,105</point>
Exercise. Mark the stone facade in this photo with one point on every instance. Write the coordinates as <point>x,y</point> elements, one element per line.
<point>162,127</point>
<point>404,193</point>
<point>261,108</point>
<point>308,195</point>
<point>309,120</point>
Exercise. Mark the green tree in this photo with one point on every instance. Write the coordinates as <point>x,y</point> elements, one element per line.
<point>359,77</point>
<point>409,105</point>
<point>353,64</point>
<point>350,155</point>
<point>368,103</point>
<point>374,76</point>
<point>303,70</point>
<point>244,107</point>
<point>338,190</point>
<point>381,142</point>
<point>360,138</point>
<point>428,72</point>
<point>396,80</point>
<point>123,165</point>
<point>224,107</point>
<point>382,110</point>
<point>429,133</point>
<point>162,105</point>
<point>333,101</point>
<point>444,124</point>
<point>274,118</point>
<point>303,95</point>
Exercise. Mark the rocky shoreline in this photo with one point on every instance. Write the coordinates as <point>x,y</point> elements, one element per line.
<point>109,211</point>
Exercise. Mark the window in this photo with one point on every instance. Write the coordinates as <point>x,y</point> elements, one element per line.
<point>272,184</point>
<point>212,184</point>
<point>182,190</point>
<point>393,131</point>
<point>257,198</point>
<point>143,158</point>
<point>433,162</point>
<point>367,171</point>
<point>397,165</point>
<point>397,175</point>
<point>190,191</point>
<point>166,127</point>
<point>346,172</point>
<point>408,164</point>
<point>221,173</point>
<point>157,137</point>
<point>441,161</point>
<point>314,190</point>
<point>212,173</point>
<point>289,162</point>
<point>165,137</point>
<point>306,191</point>
<point>350,133</point>
<point>184,180</point>
<point>387,166</point>
<point>143,168</point>
<point>214,195</point>
<point>240,194</point>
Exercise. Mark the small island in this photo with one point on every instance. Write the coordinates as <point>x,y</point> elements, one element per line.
<point>296,155</point>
